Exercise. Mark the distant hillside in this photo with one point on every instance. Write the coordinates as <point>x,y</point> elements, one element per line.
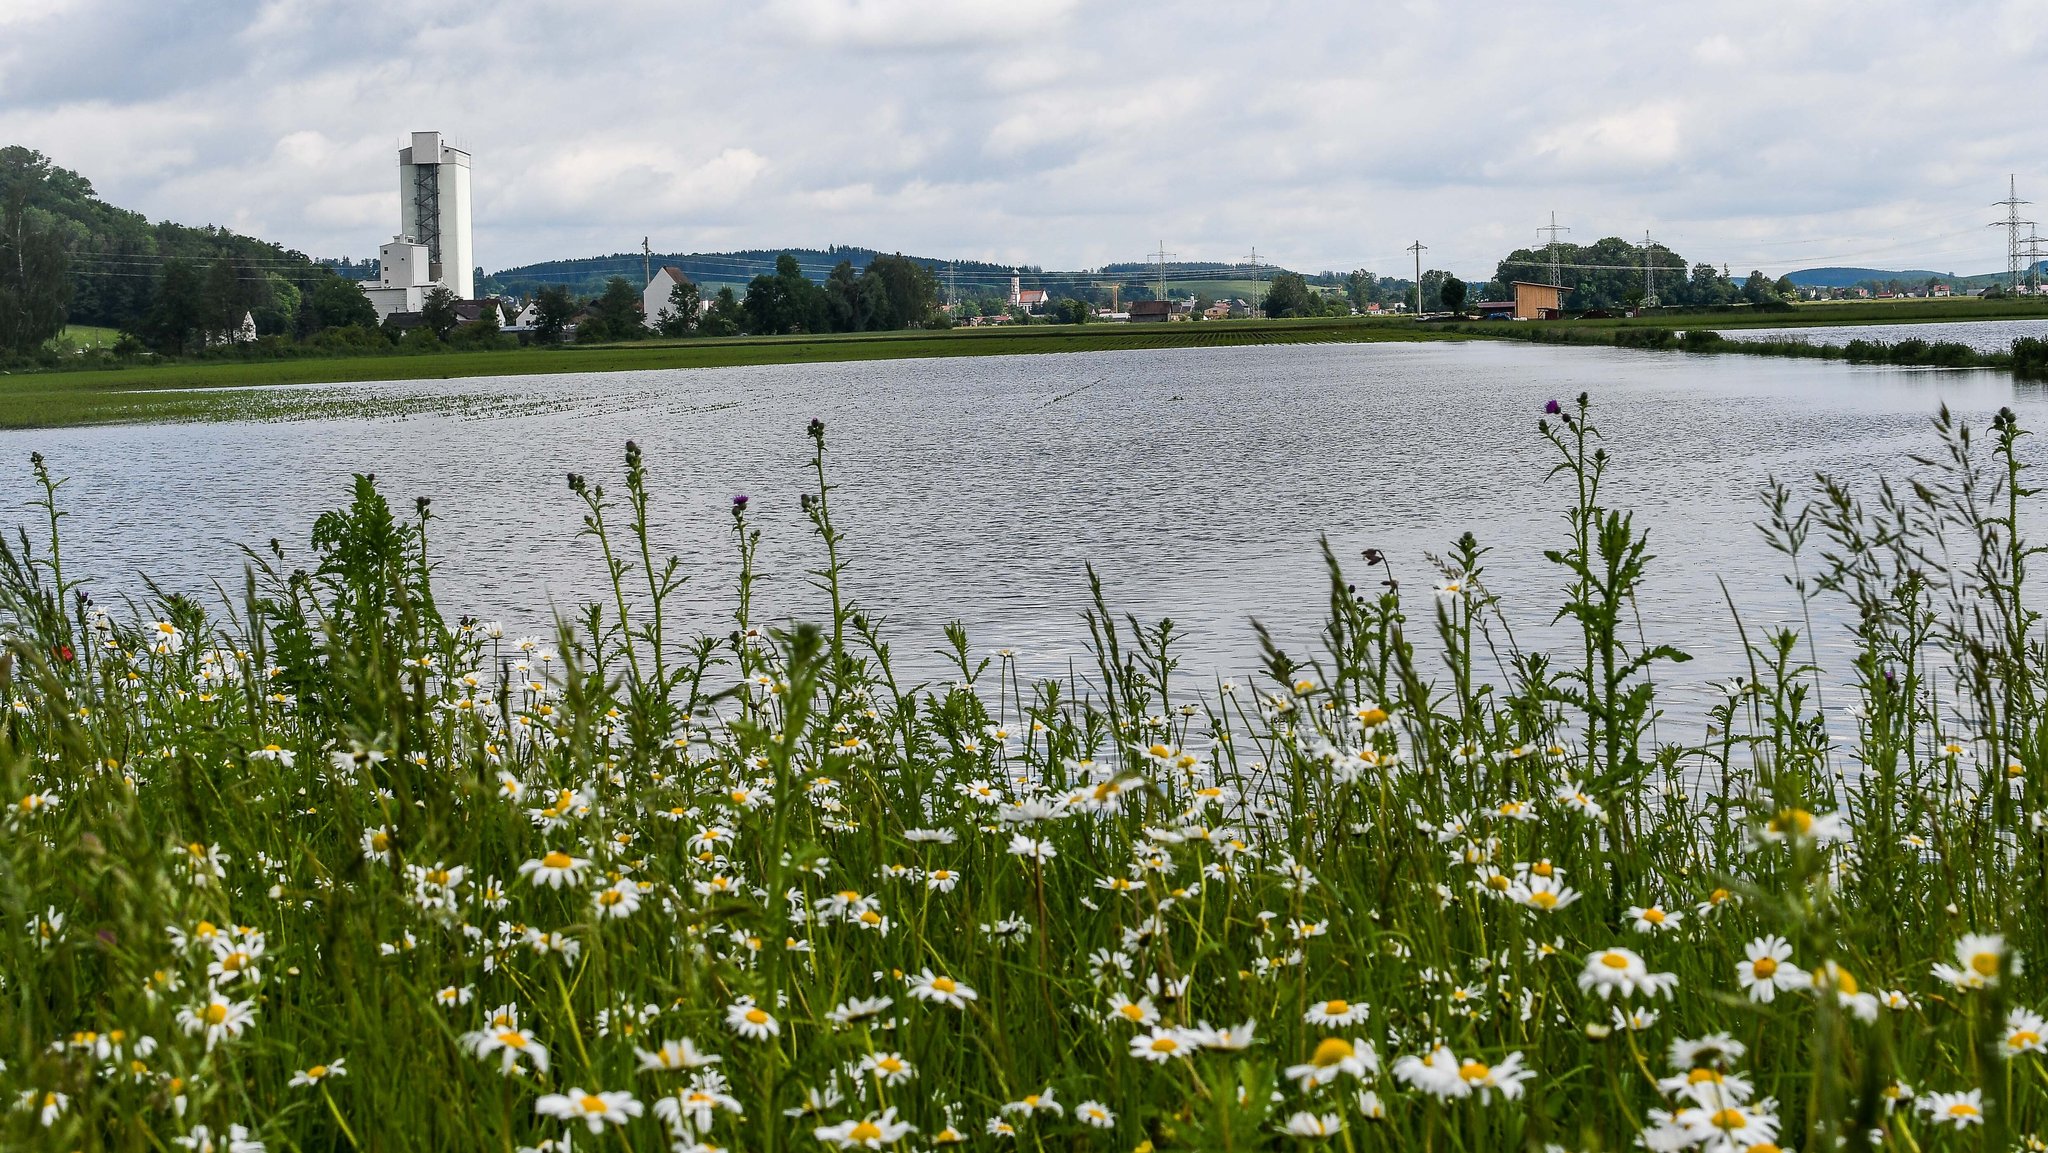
<point>1850,277</point>
<point>117,256</point>
<point>713,270</point>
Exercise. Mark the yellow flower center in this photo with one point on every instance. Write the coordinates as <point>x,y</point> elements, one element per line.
<point>610,897</point>
<point>1654,916</point>
<point>1337,1007</point>
<point>1963,1109</point>
<point>1718,896</point>
<point>756,1017</point>
<point>380,841</point>
<point>865,1131</point>
<point>1373,717</point>
<point>591,1103</point>
<point>1763,968</point>
<point>944,984</point>
<point>1543,899</point>
<point>1498,882</point>
<point>1728,1119</point>
<point>234,962</point>
<point>216,1013</point>
<point>1986,964</point>
<point>1164,1045</point>
<point>2022,1038</point>
<point>557,859</point>
<point>317,1072</point>
<point>512,1040</point>
<point>871,917</point>
<point>1614,960</point>
<point>1700,1076</point>
<point>1792,821</point>
<point>1474,1072</point>
<point>1133,1012</point>
<point>1331,1050</point>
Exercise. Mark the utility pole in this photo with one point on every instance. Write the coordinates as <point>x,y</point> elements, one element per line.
<point>646,263</point>
<point>952,288</point>
<point>1553,228</point>
<point>1259,280</point>
<point>1649,274</point>
<point>2011,224</point>
<point>2034,241</point>
<point>1161,256</point>
<point>1418,248</point>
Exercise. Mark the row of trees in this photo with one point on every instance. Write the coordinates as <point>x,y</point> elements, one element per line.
<point>1610,274</point>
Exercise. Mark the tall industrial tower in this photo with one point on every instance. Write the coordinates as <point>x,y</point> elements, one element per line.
<point>2011,224</point>
<point>433,194</point>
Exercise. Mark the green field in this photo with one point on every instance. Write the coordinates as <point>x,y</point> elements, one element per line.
<point>190,391</point>
<point>1832,312</point>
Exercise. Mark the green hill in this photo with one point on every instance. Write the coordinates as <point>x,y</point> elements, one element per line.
<point>117,257</point>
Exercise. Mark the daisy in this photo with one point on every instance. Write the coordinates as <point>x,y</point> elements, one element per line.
<point>555,870</point>
<point>2024,1030</point>
<point>1831,977</point>
<point>1958,1109</point>
<point>1336,1013</point>
<point>872,1132</point>
<point>1041,1102</point>
<point>927,986</point>
<point>859,1009</point>
<point>1334,1057</point>
<point>618,901</point>
<point>1160,1045</point>
<point>1800,825</point>
<point>888,1068</point>
<point>1619,970</point>
<point>1543,893</point>
<point>217,1017</point>
<point>1094,1114</point>
<point>1441,1074</point>
<point>513,1045</point>
<point>750,1020</point>
<point>1731,1126</point>
<point>1653,919</point>
<point>315,1074</point>
<point>1980,957</point>
<point>595,1110</point>
<point>1769,969</point>
<point>692,1109</point>
<point>1140,1012</point>
<point>674,1055</point>
<point>1310,1127</point>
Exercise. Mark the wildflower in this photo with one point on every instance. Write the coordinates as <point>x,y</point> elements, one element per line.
<point>871,1132</point>
<point>1334,1057</point>
<point>315,1074</point>
<point>1160,1045</point>
<point>511,1043</point>
<point>1038,851</point>
<point>1336,1013</point>
<point>1095,1115</point>
<point>750,1020</point>
<point>1311,1127</point>
<point>888,1068</point>
<point>674,1055</point>
<point>217,1017</point>
<point>595,1110</point>
<point>202,1140</point>
<point>693,1107</point>
<point>1542,893</point>
<point>2024,1030</point>
<point>1140,1012</point>
<point>47,1106</point>
<point>555,870</point>
<point>1440,1073</point>
<point>928,986</point>
<point>1040,1102</point>
<point>858,1009</point>
<point>1652,919</point>
<point>1769,969</point>
<point>1980,957</point>
<point>618,901</point>
<point>1958,1109</point>
<point>1619,970</point>
<point>1831,977</point>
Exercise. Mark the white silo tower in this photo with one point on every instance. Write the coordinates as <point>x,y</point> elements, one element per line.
<point>433,194</point>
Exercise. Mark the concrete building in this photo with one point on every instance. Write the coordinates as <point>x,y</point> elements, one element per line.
<point>402,280</point>
<point>433,198</point>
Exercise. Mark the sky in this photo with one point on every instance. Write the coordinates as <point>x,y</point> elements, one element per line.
<point>1061,134</point>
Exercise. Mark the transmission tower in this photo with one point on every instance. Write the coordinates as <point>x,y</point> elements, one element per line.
<point>2011,224</point>
<point>1553,228</point>
<point>2033,241</point>
<point>1418,248</point>
<point>1259,279</point>
<point>1161,256</point>
<point>1649,275</point>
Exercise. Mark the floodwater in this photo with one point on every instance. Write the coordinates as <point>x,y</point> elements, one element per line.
<point>1195,481</point>
<point>1981,335</point>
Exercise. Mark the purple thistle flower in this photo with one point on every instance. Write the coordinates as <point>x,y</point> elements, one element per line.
<point>739,502</point>
<point>1553,408</point>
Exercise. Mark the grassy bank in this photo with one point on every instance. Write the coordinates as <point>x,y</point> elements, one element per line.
<point>331,866</point>
<point>1833,312</point>
<point>177,391</point>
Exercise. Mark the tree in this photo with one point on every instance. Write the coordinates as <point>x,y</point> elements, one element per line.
<point>1289,296</point>
<point>1452,292</point>
<point>1756,288</point>
<point>336,303</point>
<point>679,316</point>
<point>35,292</point>
<point>725,317</point>
<point>1359,288</point>
<point>1071,311</point>
<point>1785,287</point>
<point>437,312</point>
<point>177,312</point>
<point>905,292</point>
<point>553,309</point>
<point>615,314</point>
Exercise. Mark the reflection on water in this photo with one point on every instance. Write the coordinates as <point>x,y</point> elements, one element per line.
<point>1195,481</point>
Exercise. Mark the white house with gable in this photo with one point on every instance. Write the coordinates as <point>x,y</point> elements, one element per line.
<point>654,297</point>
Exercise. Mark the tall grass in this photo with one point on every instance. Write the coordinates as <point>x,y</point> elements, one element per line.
<point>323,864</point>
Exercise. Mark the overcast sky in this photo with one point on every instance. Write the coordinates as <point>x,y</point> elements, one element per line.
<point>1062,134</point>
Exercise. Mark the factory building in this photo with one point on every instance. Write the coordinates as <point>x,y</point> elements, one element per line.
<point>433,242</point>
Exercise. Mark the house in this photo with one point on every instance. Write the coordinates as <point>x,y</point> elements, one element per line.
<point>1151,311</point>
<point>1939,290</point>
<point>654,297</point>
<point>1535,300</point>
<point>1217,311</point>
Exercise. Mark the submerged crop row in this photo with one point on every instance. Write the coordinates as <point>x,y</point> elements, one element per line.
<point>323,864</point>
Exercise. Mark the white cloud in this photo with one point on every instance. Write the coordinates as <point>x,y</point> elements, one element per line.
<point>1053,132</point>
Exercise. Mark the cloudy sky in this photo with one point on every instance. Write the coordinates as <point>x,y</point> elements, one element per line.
<point>1057,133</point>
